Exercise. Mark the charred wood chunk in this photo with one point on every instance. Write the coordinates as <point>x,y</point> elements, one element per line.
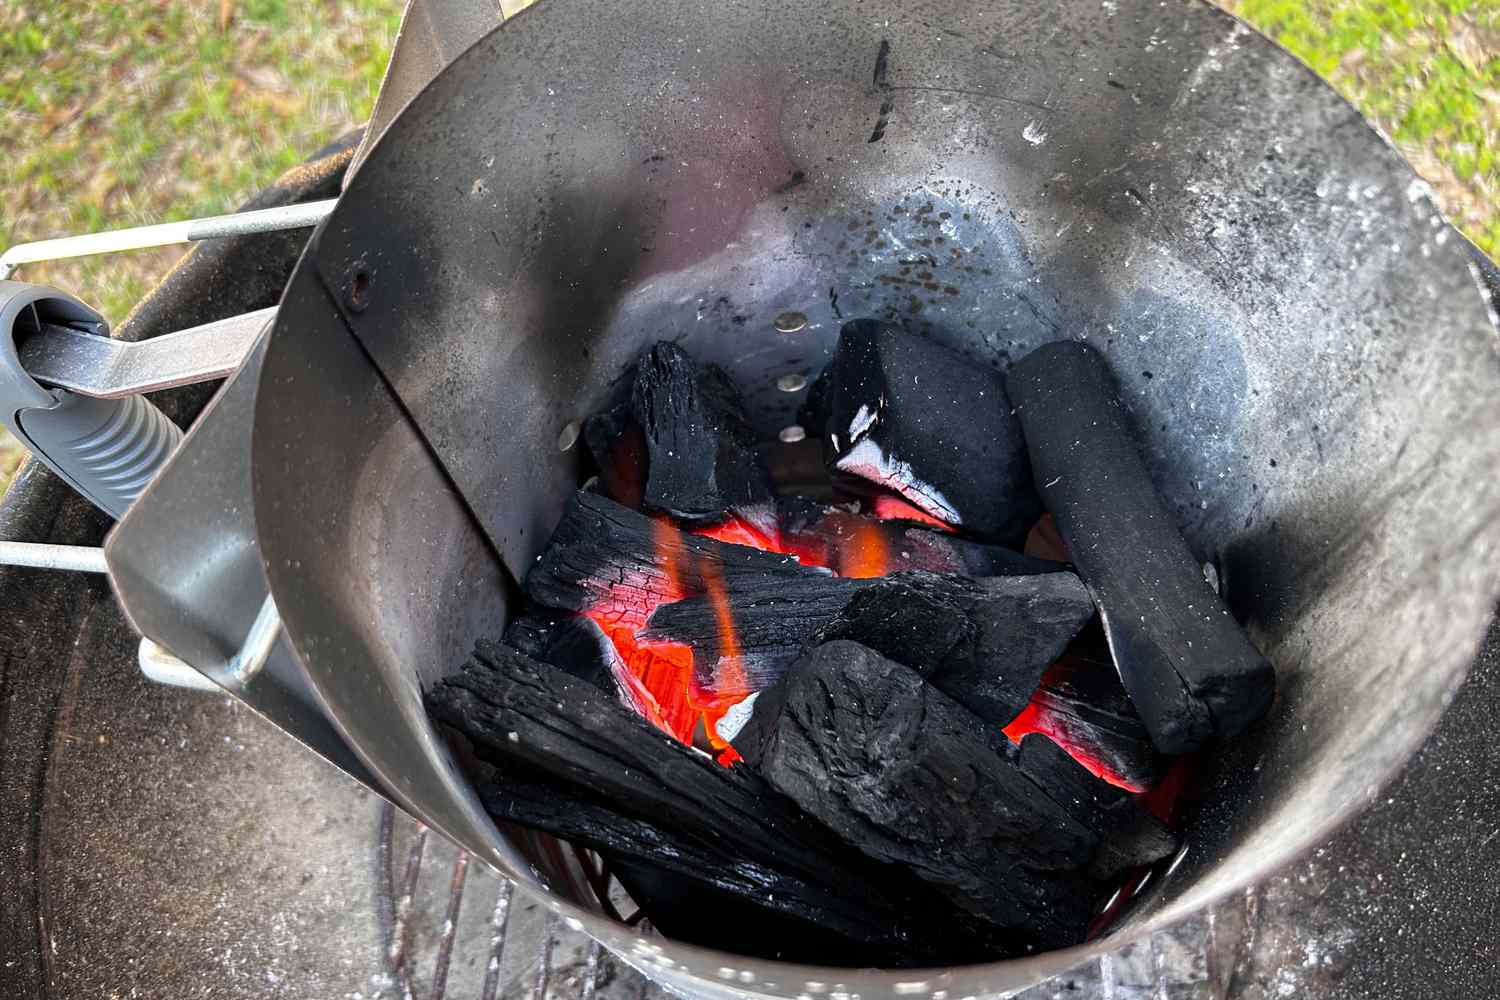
<point>854,544</point>
<point>1129,837</point>
<point>618,448</point>
<point>1081,705</point>
<point>568,642</point>
<point>935,427</point>
<point>603,554</point>
<point>1190,669</point>
<point>984,643</point>
<point>772,618</point>
<point>910,777</point>
<point>577,645</point>
<point>524,717</point>
<point>701,456</point>
<point>664,869</point>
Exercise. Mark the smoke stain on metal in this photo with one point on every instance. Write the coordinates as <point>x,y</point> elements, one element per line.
<point>882,84</point>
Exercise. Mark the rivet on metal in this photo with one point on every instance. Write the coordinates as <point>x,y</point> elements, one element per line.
<point>789,322</point>
<point>791,383</point>
<point>792,433</point>
<point>357,292</point>
<point>568,437</point>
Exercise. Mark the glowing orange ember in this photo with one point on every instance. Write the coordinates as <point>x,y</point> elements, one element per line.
<point>1033,720</point>
<point>673,701</point>
<point>864,553</point>
<point>893,508</point>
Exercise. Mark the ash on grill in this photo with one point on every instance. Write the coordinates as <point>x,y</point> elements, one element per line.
<point>868,731</point>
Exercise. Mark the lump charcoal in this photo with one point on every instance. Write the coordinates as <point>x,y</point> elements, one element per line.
<point>910,777</point>
<point>701,456</point>
<point>769,904</point>
<point>1128,835</point>
<point>984,643</point>
<point>773,618</point>
<point>842,540</point>
<point>1188,666</point>
<point>578,646</point>
<point>618,448</point>
<point>605,554</point>
<point>1081,705</point>
<point>931,425</point>
<point>523,716</point>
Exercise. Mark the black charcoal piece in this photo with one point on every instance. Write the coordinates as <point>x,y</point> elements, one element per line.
<point>568,642</point>
<point>1081,704</point>
<point>773,618</point>
<point>1188,666</point>
<point>603,554</point>
<point>912,778</point>
<point>525,718</point>
<point>846,541</point>
<point>701,459</point>
<point>755,907</point>
<point>1129,837</point>
<point>984,642</point>
<point>618,448</point>
<point>916,418</point>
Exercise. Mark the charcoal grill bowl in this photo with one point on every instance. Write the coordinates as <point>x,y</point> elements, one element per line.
<point>1302,344</point>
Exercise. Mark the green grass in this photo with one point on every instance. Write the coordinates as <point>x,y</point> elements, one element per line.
<point>1426,71</point>
<point>118,114</point>
<point>124,113</point>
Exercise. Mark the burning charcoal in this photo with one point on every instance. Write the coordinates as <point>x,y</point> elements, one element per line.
<point>1128,836</point>
<point>567,642</point>
<point>1188,666</point>
<point>603,554</point>
<point>562,741</point>
<point>932,426</point>
<point>615,441</point>
<point>577,645</point>
<point>772,618</point>
<point>1081,706</point>
<point>910,777</point>
<point>701,459</point>
<point>857,545</point>
<point>984,642</point>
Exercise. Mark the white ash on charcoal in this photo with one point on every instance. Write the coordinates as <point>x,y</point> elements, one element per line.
<point>916,418</point>
<point>701,462</point>
<point>1191,671</point>
<point>568,758</point>
<point>851,543</point>
<point>604,554</point>
<point>985,642</point>
<point>1081,705</point>
<point>1022,837</point>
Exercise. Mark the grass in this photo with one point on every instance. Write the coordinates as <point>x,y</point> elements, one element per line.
<point>123,113</point>
<point>1427,72</point>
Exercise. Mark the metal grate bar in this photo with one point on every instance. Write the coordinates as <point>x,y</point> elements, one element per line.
<point>450,924</point>
<point>499,924</point>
